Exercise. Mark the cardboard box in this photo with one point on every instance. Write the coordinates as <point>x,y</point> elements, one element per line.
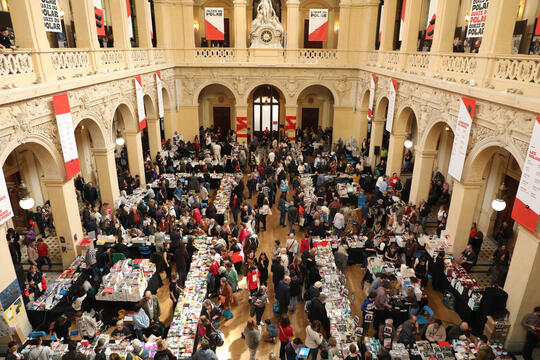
<point>496,330</point>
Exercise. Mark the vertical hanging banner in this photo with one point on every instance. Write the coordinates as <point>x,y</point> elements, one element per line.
<point>461,137</point>
<point>130,21</point>
<point>290,127</point>
<point>98,14</point>
<point>67,134</point>
<point>477,20</point>
<point>214,24</point>
<point>318,24</point>
<point>150,21</point>
<point>241,128</point>
<point>140,102</point>
<point>159,85</point>
<point>402,20</point>
<point>6,212</point>
<point>391,104</point>
<point>527,205</point>
<point>371,96</point>
<point>432,14</point>
<point>51,16</point>
<point>381,23</point>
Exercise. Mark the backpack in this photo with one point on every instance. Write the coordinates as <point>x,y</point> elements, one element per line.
<point>253,242</point>
<point>217,338</point>
<point>163,356</point>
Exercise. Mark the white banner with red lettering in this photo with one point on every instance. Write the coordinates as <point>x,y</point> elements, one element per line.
<point>318,24</point>
<point>6,212</point>
<point>373,79</point>
<point>150,21</point>
<point>527,205</point>
<point>381,23</point>
<point>214,23</point>
<point>432,15</point>
<point>130,21</point>
<point>391,105</point>
<point>98,14</point>
<point>159,85</point>
<point>140,102</point>
<point>67,134</point>
<point>461,137</point>
<point>402,20</point>
<point>477,19</point>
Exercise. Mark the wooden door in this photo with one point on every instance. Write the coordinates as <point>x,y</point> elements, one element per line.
<point>310,44</point>
<point>20,216</point>
<point>222,118</point>
<point>310,118</point>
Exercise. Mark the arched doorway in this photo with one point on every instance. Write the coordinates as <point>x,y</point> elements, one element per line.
<point>217,109</point>
<point>379,136</point>
<point>267,110</point>
<point>402,143</point>
<point>315,105</point>
<point>151,134</point>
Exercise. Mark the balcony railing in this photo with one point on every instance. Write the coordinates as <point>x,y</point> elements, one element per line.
<point>517,71</point>
<point>373,58</point>
<point>16,67</point>
<point>457,66</point>
<point>317,56</point>
<point>214,55</point>
<point>418,62</point>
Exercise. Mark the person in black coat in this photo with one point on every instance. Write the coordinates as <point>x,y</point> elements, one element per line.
<point>211,211</point>
<point>436,270</point>
<point>90,194</point>
<point>283,294</point>
<point>278,271</point>
<point>317,311</point>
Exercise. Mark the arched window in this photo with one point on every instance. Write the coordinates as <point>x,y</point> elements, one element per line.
<point>265,109</point>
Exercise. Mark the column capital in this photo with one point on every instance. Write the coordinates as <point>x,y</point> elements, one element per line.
<point>51,183</point>
<point>131,132</point>
<point>103,151</point>
<point>293,3</point>
<point>239,2</point>
<point>399,134</point>
<point>470,184</point>
<point>187,2</point>
<point>425,153</point>
<point>345,3</point>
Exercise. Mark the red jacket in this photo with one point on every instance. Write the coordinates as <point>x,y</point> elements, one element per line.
<point>43,250</point>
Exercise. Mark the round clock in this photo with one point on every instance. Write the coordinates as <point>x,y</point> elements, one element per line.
<point>266,36</point>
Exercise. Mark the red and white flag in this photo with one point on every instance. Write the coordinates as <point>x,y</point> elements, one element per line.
<point>402,20</point>
<point>318,24</point>
<point>67,134</point>
<point>159,85</point>
<point>130,22</point>
<point>290,127</point>
<point>98,14</point>
<point>214,24</point>
<point>527,204</point>
<point>140,102</point>
<point>371,96</point>
<point>461,137</point>
<point>6,211</point>
<point>391,104</point>
<point>432,12</point>
<point>241,128</point>
<point>381,22</point>
<point>150,22</point>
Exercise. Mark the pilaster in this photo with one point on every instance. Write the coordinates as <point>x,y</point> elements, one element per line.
<point>189,36</point>
<point>106,172</point>
<point>135,154</point>
<point>144,30</point>
<point>120,24</point>
<point>344,15</point>
<point>388,18</point>
<point>240,30</point>
<point>422,174</point>
<point>395,153</point>
<point>154,137</point>
<point>409,41</point>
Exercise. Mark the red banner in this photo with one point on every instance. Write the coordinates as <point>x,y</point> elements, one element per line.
<point>67,134</point>
<point>241,127</point>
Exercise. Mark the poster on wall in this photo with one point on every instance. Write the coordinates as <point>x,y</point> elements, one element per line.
<point>461,137</point>
<point>241,128</point>
<point>214,23</point>
<point>373,79</point>
<point>290,127</point>
<point>318,24</point>
<point>391,104</point>
<point>66,132</point>
<point>159,85</point>
<point>402,20</point>
<point>51,16</point>
<point>10,294</point>
<point>6,212</point>
<point>98,14</point>
<point>381,23</point>
<point>432,15</point>
<point>140,102</point>
<point>477,20</point>
<point>130,22</point>
<point>527,205</point>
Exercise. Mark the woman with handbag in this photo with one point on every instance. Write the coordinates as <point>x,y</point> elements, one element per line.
<point>285,334</point>
<point>258,304</point>
<point>226,297</point>
<point>314,338</point>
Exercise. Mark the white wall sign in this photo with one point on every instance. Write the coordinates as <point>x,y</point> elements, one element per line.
<point>477,20</point>
<point>161,110</point>
<point>373,79</point>
<point>6,212</point>
<point>318,24</point>
<point>461,137</point>
<point>66,132</point>
<point>140,102</point>
<point>51,16</point>
<point>214,23</point>
<point>391,104</point>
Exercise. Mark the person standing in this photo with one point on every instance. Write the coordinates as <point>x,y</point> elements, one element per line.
<point>90,194</point>
<point>12,353</point>
<point>252,337</point>
<point>531,322</point>
<point>32,253</point>
<point>283,294</point>
<point>285,335</point>
<point>150,305</point>
<point>14,247</point>
<point>43,253</point>
<point>314,338</point>
<point>258,304</point>
<point>39,352</point>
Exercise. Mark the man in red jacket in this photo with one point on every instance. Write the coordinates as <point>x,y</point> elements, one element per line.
<point>43,253</point>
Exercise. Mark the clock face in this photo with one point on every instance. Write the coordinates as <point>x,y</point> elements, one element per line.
<point>266,36</point>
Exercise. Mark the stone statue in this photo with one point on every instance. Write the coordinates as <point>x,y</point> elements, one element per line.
<point>266,30</point>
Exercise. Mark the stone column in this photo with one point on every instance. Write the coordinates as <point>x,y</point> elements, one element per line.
<point>422,173</point>
<point>369,25</point>
<point>135,154</point>
<point>344,15</point>
<point>144,29</point>
<point>522,285</point>
<point>154,136</point>
<point>377,131</point>
<point>67,221</point>
<point>395,153</point>
<point>85,27</point>
<point>189,35</point>
<point>409,43</point>
<point>120,24</point>
<point>106,172</point>
<point>188,122</point>
<point>162,14</point>
<point>240,30</point>
<point>388,24</point>
<point>291,111</point>
<point>169,120</point>
<point>461,213</point>
<point>20,321</point>
<point>293,19</point>
<point>445,25</point>
<point>344,126</point>
<point>360,119</point>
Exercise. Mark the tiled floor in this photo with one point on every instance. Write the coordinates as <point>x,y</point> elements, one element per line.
<point>54,250</point>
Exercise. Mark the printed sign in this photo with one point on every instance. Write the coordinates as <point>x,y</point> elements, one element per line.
<point>477,20</point>
<point>391,105</point>
<point>371,96</point>
<point>527,205</point>
<point>241,128</point>
<point>318,24</point>
<point>290,127</point>
<point>98,14</point>
<point>402,20</point>
<point>6,212</point>
<point>461,137</point>
<point>214,23</point>
<point>381,22</point>
<point>67,134</point>
<point>140,102</point>
<point>430,27</point>
<point>161,109</point>
<point>51,16</point>
<point>150,21</point>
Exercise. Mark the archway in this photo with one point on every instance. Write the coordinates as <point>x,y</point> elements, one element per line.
<point>315,115</point>
<point>379,136</point>
<point>402,143</point>
<point>151,134</point>
<point>217,109</point>
<point>266,110</point>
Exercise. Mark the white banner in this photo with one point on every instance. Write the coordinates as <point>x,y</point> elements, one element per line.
<point>130,21</point>
<point>461,137</point>
<point>318,24</point>
<point>527,204</point>
<point>6,212</point>
<point>381,23</point>
<point>214,23</point>
<point>371,96</point>
<point>161,110</point>
<point>477,19</point>
<point>402,20</point>
<point>51,16</point>
<point>140,102</point>
<point>391,105</point>
<point>432,15</point>
<point>66,132</point>
<point>150,22</point>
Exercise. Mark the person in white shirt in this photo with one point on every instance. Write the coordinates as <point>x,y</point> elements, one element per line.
<point>216,149</point>
<point>39,352</point>
<point>291,246</point>
<point>314,338</point>
<point>339,222</point>
<point>271,156</point>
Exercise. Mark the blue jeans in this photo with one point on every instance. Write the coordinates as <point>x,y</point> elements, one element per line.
<point>282,215</point>
<point>313,353</point>
<point>294,301</point>
<point>291,227</point>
